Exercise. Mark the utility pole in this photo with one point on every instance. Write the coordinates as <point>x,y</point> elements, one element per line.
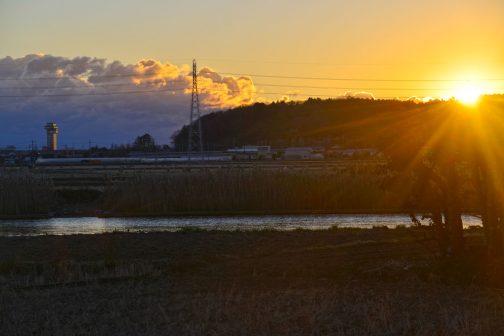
<point>195,138</point>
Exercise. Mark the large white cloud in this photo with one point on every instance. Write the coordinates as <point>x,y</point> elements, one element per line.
<point>80,94</point>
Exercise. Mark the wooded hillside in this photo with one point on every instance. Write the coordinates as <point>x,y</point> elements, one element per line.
<point>315,122</point>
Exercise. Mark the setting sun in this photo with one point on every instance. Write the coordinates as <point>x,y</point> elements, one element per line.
<point>469,94</point>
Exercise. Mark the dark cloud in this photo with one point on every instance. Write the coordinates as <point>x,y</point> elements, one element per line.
<point>100,116</point>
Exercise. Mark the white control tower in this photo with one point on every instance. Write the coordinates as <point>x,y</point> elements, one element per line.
<point>52,136</point>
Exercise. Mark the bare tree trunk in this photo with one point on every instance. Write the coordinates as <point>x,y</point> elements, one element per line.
<point>482,189</point>
<point>457,232</point>
<point>499,225</point>
<point>490,214</point>
<point>453,214</point>
<point>439,226</point>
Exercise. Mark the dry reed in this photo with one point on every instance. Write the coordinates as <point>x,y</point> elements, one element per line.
<point>253,190</point>
<point>24,193</point>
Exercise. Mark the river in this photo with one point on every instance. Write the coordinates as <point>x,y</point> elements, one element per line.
<point>95,225</point>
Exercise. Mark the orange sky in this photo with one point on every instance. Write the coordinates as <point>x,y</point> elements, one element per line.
<point>363,39</point>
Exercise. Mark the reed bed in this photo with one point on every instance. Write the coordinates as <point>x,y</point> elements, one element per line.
<point>253,190</point>
<point>23,193</point>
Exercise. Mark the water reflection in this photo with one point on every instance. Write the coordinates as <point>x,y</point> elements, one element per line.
<point>94,225</point>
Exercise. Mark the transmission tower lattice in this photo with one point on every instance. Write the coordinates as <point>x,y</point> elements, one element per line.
<point>195,141</point>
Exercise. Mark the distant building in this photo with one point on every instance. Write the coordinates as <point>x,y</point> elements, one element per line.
<point>52,136</point>
<point>251,153</point>
<point>302,153</point>
<point>359,152</point>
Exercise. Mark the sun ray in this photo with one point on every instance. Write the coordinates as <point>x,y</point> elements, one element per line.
<point>468,94</point>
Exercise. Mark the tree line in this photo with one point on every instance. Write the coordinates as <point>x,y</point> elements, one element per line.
<point>448,157</point>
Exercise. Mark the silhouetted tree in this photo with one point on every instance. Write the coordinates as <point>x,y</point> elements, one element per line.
<point>145,143</point>
<point>461,157</point>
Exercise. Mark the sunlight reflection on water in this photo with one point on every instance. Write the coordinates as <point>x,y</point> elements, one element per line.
<point>94,225</point>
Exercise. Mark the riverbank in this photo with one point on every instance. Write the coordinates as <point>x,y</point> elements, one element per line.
<point>279,222</point>
<point>347,189</point>
<point>256,213</point>
<point>196,282</point>
<point>91,212</point>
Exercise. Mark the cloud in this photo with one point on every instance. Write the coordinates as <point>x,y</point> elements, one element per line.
<point>359,95</point>
<point>105,102</point>
<point>217,91</point>
<point>419,100</point>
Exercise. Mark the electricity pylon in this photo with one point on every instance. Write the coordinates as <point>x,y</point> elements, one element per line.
<point>195,141</point>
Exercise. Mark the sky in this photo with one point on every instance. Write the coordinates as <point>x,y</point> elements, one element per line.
<point>421,48</point>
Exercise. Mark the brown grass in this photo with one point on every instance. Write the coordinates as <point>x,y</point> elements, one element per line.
<point>256,190</point>
<point>23,193</point>
<point>336,282</point>
<point>138,309</point>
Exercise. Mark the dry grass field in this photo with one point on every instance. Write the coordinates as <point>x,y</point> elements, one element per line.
<point>214,189</point>
<point>339,282</point>
<point>351,187</point>
<point>24,193</point>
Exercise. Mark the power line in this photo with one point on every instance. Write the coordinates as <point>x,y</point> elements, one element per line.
<point>279,61</point>
<point>230,60</point>
<point>77,76</point>
<point>71,87</point>
<point>91,94</point>
<point>173,90</point>
<point>183,89</point>
<point>272,76</point>
<point>360,79</point>
<point>352,88</point>
<point>212,90</point>
<point>255,84</point>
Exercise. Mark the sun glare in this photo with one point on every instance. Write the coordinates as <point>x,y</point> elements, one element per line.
<point>468,95</point>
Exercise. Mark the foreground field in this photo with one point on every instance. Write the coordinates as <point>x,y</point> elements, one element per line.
<point>341,281</point>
